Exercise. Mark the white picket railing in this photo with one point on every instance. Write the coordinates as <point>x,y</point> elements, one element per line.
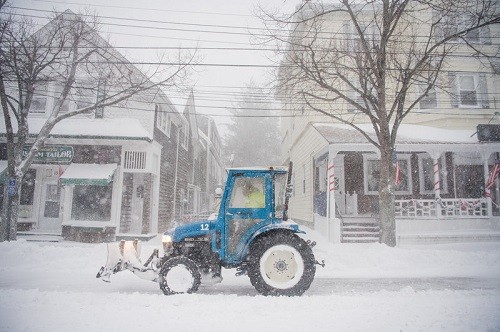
<point>443,208</point>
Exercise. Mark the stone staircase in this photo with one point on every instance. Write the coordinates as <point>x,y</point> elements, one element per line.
<point>360,232</point>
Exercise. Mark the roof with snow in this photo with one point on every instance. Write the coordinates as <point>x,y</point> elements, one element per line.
<point>88,174</point>
<point>120,128</point>
<point>407,134</point>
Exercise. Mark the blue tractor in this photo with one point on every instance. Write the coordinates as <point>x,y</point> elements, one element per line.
<point>250,233</point>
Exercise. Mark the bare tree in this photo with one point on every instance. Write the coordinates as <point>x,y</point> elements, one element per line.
<point>69,54</point>
<point>362,61</point>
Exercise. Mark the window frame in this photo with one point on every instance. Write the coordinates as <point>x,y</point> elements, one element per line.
<point>46,94</point>
<point>475,82</point>
<point>443,174</point>
<point>86,97</point>
<point>371,158</point>
<point>107,191</point>
<point>433,90</point>
<point>184,128</point>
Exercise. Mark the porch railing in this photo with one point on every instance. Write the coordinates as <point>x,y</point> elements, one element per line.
<point>443,208</point>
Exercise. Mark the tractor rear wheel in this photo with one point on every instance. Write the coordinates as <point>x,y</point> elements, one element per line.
<point>179,275</point>
<point>281,264</point>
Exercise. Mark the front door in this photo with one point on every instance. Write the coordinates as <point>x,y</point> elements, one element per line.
<point>49,208</point>
<point>137,204</point>
<point>246,211</point>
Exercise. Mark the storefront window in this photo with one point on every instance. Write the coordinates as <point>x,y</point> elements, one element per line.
<point>92,203</point>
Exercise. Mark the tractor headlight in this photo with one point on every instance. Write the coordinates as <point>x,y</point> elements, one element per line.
<point>166,239</point>
<point>167,244</point>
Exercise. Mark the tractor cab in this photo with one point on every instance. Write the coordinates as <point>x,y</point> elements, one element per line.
<point>253,201</point>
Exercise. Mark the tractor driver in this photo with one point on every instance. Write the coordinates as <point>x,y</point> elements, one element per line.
<point>254,195</point>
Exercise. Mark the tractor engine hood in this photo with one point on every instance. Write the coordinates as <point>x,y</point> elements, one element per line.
<point>195,229</point>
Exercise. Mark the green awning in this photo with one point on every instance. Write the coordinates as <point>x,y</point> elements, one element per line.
<point>88,174</point>
<point>3,171</point>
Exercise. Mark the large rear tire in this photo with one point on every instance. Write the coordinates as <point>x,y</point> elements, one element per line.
<point>281,264</point>
<point>179,275</point>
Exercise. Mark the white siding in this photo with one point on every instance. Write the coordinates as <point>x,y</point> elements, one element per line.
<point>302,153</point>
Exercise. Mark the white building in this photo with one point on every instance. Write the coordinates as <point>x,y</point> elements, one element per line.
<point>335,168</point>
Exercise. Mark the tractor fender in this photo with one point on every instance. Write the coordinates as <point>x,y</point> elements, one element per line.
<point>291,226</point>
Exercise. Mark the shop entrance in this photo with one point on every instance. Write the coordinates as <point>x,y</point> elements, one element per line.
<point>49,208</point>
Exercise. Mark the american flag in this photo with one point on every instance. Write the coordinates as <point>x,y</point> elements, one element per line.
<point>492,178</point>
<point>397,169</point>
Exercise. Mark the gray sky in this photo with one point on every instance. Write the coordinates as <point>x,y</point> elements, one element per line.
<point>189,23</point>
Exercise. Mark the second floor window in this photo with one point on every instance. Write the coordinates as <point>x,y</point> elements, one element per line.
<point>467,87</point>
<point>40,96</point>
<point>163,119</point>
<point>57,94</point>
<point>454,24</point>
<point>429,101</point>
<point>85,95</point>
<point>468,90</point>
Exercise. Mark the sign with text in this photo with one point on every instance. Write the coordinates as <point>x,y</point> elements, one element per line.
<point>52,154</point>
<point>12,187</point>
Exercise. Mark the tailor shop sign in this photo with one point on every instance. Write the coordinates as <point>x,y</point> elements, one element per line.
<point>52,154</point>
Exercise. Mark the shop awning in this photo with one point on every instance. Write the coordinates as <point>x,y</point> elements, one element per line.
<point>3,171</point>
<point>88,174</point>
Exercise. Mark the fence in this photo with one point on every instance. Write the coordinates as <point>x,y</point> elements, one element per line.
<point>443,208</point>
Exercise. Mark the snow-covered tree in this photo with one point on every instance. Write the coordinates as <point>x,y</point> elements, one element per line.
<point>253,137</point>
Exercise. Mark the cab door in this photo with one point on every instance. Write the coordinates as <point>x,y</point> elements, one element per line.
<point>246,210</point>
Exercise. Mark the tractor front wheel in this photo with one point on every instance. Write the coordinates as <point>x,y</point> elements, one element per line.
<point>179,275</point>
<point>281,264</point>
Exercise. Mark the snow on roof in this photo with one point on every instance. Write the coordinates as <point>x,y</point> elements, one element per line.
<point>120,128</point>
<point>407,134</point>
<point>90,174</point>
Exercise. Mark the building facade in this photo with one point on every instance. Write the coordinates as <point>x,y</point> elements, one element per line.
<point>122,171</point>
<point>443,153</point>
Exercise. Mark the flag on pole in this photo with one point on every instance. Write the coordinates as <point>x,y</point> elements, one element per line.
<point>60,172</point>
<point>492,178</point>
<point>397,169</point>
<point>331,176</point>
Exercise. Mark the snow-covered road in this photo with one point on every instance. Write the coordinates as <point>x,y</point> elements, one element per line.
<point>365,287</point>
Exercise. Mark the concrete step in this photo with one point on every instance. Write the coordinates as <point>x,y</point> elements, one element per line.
<point>360,232</point>
<point>361,229</point>
<point>361,240</point>
<point>40,237</point>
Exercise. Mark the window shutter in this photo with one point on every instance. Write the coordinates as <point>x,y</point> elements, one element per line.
<point>483,91</point>
<point>485,35</point>
<point>438,27</point>
<point>346,30</point>
<point>452,78</point>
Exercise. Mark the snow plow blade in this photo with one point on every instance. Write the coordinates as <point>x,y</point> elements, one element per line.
<point>125,255</point>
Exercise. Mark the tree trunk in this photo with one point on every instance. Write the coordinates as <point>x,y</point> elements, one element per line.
<point>386,198</point>
<point>4,224</point>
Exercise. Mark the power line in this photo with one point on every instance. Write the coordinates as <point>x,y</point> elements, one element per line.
<point>267,35</point>
<point>146,9</point>
<point>306,113</point>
